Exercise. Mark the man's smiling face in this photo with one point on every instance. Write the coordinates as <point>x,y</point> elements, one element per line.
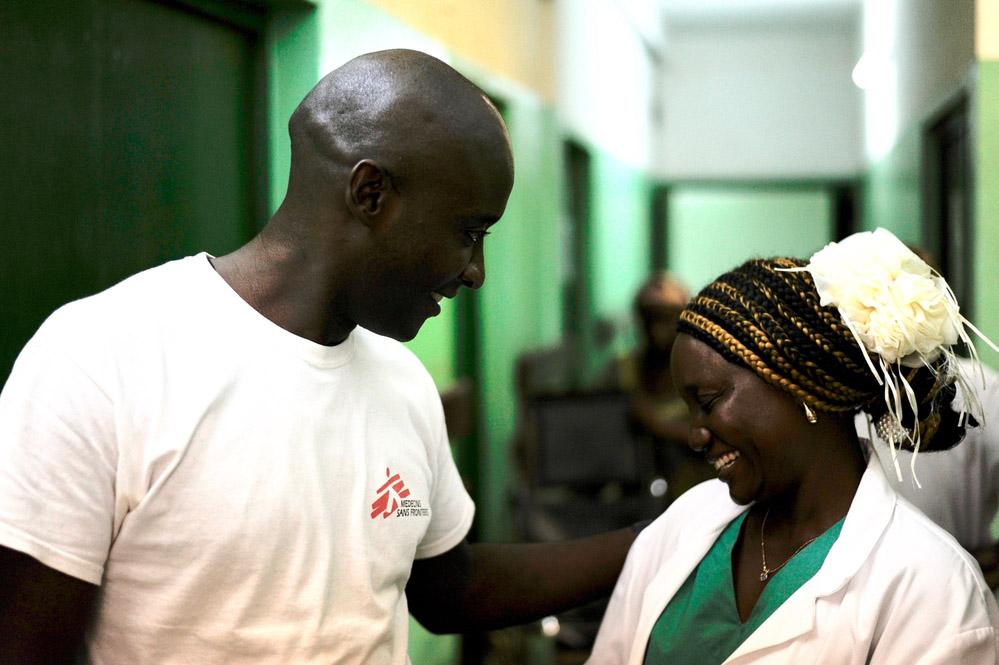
<point>432,245</point>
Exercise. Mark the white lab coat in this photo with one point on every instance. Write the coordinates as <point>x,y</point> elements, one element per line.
<point>895,589</point>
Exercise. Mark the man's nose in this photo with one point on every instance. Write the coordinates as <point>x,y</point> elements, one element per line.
<point>474,274</point>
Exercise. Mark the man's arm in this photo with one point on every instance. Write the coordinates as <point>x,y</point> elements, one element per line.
<point>484,586</point>
<point>43,613</point>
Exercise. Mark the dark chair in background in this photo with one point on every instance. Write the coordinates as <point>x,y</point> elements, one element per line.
<point>583,471</point>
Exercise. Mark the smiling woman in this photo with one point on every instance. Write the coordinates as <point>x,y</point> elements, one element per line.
<point>800,551</point>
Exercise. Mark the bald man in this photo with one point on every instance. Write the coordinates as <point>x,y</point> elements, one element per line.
<point>234,459</point>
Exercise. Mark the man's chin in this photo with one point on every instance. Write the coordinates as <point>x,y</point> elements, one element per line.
<point>400,333</point>
<point>405,337</point>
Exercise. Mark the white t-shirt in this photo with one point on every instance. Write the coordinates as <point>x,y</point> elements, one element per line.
<point>960,486</point>
<point>241,494</point>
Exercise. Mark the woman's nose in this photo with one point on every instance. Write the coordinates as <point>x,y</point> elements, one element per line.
<point>698,438</point>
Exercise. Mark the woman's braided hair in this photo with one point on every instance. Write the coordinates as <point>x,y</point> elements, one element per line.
<point>769,320</point>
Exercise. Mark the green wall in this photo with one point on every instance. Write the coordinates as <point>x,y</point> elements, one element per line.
<point>986,244</point>
<point>521,300</point>
<point>713,228</point>
<point>891,189</point>
<point>435,345</point>
<point>619,254</point>
<point>292,44</point>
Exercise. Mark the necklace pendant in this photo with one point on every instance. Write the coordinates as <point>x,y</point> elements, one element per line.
<point>764,575</point>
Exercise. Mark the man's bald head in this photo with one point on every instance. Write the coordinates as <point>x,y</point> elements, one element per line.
<point>399,166</point>
<point>404,109</point>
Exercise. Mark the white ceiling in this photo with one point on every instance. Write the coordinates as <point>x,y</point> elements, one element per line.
<point>654,19</point>
<point>735,10</point>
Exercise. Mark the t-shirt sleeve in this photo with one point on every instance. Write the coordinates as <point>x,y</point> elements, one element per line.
<point>57,456</point>
<point>452,509</point>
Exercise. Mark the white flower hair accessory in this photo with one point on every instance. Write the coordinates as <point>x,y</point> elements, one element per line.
<point>899,309</point>
<point>893,302</point>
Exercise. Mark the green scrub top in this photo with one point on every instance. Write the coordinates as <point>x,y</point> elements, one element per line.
<point>701,625</point>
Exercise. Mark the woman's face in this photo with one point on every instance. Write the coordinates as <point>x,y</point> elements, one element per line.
<point>751,433</point>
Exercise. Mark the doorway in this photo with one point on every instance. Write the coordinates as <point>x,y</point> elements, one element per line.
<point>132,135</point>
<point>948,191</point>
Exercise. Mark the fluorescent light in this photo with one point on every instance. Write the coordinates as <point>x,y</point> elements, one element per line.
<point>863,72</point>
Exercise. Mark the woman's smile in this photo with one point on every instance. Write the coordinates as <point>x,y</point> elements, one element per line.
<point>724,463</point>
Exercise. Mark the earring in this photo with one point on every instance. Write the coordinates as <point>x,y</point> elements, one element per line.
<point>810,414</point>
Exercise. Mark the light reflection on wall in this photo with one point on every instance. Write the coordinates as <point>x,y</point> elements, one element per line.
<point>877,74</point>
<point>605,76</point>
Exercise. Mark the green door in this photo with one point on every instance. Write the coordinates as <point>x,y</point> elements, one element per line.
<point>126,133</point>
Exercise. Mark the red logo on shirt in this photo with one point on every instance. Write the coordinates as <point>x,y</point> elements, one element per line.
<point>389,496</point>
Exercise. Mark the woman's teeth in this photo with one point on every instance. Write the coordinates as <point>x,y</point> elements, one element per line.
<point>725,461</point>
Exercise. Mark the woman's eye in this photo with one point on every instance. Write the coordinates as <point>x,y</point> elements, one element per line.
<point>706,402</point>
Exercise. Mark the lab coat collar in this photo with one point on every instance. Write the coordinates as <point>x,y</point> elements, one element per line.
<point>866,520</point>
<point>698,537</point>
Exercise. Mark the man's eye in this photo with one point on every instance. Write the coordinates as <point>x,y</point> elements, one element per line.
<point>476,236</point>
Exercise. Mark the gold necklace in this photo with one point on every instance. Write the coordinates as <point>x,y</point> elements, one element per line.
<point>767,572</point>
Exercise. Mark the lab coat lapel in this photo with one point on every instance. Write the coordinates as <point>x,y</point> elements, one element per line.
<point>694,544</point>
<point>866,521</point>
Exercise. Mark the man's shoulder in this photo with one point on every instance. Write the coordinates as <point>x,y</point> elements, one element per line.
<point>149,289</point>
<point>168,281</point>
<point>120,312</point>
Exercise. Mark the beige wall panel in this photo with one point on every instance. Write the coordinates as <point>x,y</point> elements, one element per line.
<point>987,29</point>
<point>512,38</point>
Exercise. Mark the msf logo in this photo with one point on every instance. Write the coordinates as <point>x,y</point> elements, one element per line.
<point>389,495</point>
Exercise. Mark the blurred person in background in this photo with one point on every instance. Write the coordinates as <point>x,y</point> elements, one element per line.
<point>656,410</point>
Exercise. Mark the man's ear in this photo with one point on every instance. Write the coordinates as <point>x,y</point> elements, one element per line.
<point>368,191</point>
